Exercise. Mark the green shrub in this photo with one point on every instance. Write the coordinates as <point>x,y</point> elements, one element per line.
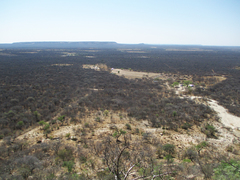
<point>175,84</point>
<point>106,112</point>
<point>201,145</point>
<point>118,133</point>
<point>209,130</point>
<point>68,135</point>
<point>9,114</point>
<point>46,127</point>
<point>187,160</point>
<point>86,125</point>
<point>41,123</point>
<point>169,158</point>
<point>66,154</point>
<point>169,148</point>
<point>20,123</point>
<point>69,165</point>
<point>227,170</point>
<point>187,82</point>
<point>174,113</point>
<point>98,119</point>
<point>186,126</point>
<point>128,126</point>
<point>61,118</point>
<point>36,114</point>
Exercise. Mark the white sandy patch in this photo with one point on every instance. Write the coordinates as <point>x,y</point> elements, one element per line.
<point>226,118</point>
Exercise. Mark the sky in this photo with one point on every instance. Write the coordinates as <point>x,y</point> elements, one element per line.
<point>205,22</point>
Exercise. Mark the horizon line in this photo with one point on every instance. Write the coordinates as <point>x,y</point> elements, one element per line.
<point>116,43</point>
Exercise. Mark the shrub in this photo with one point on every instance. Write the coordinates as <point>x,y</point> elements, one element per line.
<point>209,130</point>
<point>86,125</point>
<point>187,160</point>
<point>187,82</point>
<point>98,119</point>
<point>227,170</point>
<point>36,114</point>
<point>191,154</point>
<point>169,158</point>
<point>61,118</point>
<point>128,126</point>
<point>20,123</point>
<point>46,127</point>
<point>175,84</point>
<point>201,145</point>
<point>174,113</point>
<point>118,133</point>
<point>83,159</point>
<point>186,126</point>
<point>41,123</point>
<point>106,112</point>
<point>69,165</point>
<point>66,154</point>
<point>68,135</point>
<point>169,148</point>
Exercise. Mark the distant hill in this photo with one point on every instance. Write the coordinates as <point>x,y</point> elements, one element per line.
<point>46,45</point>
<point>110,45</point>
<point>60,45</point>
<point>86,44</point>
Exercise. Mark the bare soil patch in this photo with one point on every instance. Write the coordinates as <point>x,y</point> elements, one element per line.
<point>134,74</point>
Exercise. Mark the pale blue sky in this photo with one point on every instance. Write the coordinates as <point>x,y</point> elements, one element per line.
<point>206,22</point>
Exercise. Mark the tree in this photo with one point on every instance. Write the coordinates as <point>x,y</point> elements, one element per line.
<point>187,82</point>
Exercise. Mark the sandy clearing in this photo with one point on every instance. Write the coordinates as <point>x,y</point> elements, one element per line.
<point>133,74</point>
<point>32,134</point>
<point>228,119</point>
